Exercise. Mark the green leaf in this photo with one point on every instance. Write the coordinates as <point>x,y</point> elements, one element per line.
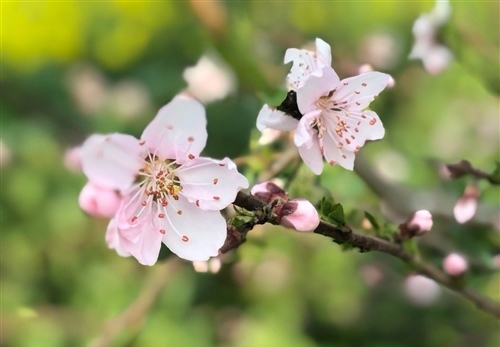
<point>331,212</point>
<point>240,220</point>
<point>372,221</point>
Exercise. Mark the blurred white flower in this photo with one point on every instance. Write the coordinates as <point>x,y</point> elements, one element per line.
<point>269,136</point>
<point>5,154</point>
<point>435,57</point>
<point>381,50</point>
<point>466,206</point>
<point>129,99</point>
<point>210,79</point>
<point>212,265</point>
<point>421,290</point>
<point>88,88</point>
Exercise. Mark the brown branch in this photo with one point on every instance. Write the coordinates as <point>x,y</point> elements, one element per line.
<point>364,243</point>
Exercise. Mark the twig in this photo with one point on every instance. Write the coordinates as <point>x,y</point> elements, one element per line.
<point>370,243</point>
<point>135,315</point>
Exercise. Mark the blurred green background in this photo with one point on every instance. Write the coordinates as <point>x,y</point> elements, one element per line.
<point>73,68</point>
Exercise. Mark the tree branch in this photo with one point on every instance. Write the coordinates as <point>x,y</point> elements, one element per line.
<point>237,235</point>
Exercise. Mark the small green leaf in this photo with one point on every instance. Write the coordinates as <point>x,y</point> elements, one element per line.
<point>372,221</point>
<point>411,247</point>
<point>337,214</point>
<point>240,220</point>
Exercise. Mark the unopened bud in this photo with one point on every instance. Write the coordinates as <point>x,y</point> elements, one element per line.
<point>418,224</point>
<point>466,206</point>
<point>455,265</point>
<point>298,214</point>
<point>99,202</point>
<point>268,191</point>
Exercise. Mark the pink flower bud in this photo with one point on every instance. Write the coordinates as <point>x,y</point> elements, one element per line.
<point>466,206</point>
<point>421,222</point>
<point>299,214</point>
<point>99,202</point>
<point>268,191</point>
<point>455,265</point>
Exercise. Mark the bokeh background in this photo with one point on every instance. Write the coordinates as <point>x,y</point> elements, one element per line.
<point>73,68</point>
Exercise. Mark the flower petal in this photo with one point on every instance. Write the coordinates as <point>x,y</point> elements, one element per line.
<point>305,133</point>
<point>312,156</point>
<point>274,119</point>
<point>335,155</point>
<point>210,184</point>
<point>359,91</point>
<point>316,87</point>
<point>193,234</point>
<point>306,63</point>
<point>112,161</point>
<point>178,130</point>
<point>113,239</point>
<point>143,240</point>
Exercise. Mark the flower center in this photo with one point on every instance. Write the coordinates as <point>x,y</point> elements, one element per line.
<point>160,180</point>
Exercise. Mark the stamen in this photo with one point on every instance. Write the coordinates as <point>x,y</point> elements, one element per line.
<point>364,84</point>
<point>162,231</point>
<point>190,139</point>
<point>185,238</point>
<point>331,162</point>
<point>190,156</point>
<point>373,121</point>
<point>134,218</point>
<point>161,215</point>
<point>215,180</point>
<point>179,212</point>
<point>216,197</point>
<point>197,203</point>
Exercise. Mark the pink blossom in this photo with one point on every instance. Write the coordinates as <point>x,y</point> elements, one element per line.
<point>170,194</point>
<point>99,202</point>
<point>455,265</point>
<point>72,160</point>
<point>299,214</point>
<point>335,124</point>
<point>466,206</point>
<point>328,115</point>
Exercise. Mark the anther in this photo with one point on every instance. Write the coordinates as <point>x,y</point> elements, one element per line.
<point>134,218</point>
<point>357,91</point>
<point>190,139</point>
<point>364,84</point>
<point>161,215</point>
<point>185,238</point>
<point>222,164</point>
<point>216,197</point>
<point>343,156</point>
<point>144,203</point>
<point>197,203</point>
<point>162,231</point>
<point>142,142</point>
<point>372,121</point>
<point>331,162</point>
<point>215,180</point>
<point>190,156</point>
<point>179,212</point>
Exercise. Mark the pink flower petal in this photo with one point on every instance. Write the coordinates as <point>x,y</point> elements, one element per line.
<point>211,184</point>
<point>113,239</point>
<point>274,119</point>
<point>312,156</point>
<point>192,233</point>
<point>112,161</point>
<point>323,52</point>
<point>316,87</point>
<point>359,91</point>
<point>335,156</point>
<point>178,130</point>
<point>143,240</point>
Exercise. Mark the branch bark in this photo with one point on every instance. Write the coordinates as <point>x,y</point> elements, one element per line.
<point>364,243</point>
